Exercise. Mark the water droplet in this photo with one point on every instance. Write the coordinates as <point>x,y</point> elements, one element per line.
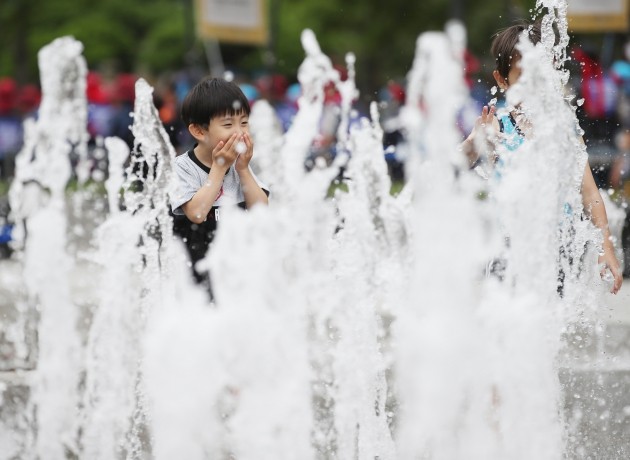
<point>98,175</point>
<point>320,162</point>
<point>240,147</point>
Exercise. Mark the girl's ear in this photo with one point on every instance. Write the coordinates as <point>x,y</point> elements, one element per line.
<point>502,82</point>
<point>196,131</point>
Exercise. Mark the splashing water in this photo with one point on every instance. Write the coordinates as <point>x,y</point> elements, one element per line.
<point>38,203</point>
<point>360,326</point>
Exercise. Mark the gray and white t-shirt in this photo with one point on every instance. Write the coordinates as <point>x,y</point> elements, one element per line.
<point>193,174</point>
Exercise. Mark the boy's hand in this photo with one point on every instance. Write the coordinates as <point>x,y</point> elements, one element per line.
<point>242,162</point>
<point>224,154</point>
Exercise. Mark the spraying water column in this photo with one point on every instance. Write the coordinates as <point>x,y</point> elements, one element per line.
<point>358,326</point>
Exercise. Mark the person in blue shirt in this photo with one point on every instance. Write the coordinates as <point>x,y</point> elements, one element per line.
<point>512,125</point>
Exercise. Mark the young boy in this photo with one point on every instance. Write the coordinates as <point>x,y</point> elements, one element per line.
<point>215,172</point>
<point>514,128</point>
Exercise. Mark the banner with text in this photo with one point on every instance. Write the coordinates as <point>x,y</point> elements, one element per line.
<point>234,21</point>
<point>598,15</point>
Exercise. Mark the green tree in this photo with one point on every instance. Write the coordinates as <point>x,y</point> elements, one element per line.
<point>157,35</point>
<point>127,34</point>
<point>383,34</point>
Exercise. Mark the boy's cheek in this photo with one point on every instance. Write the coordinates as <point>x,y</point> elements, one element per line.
<point>217,141</point>
<point>223,138</point>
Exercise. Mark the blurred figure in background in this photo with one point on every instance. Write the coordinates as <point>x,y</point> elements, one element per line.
<point>123,97</point>
<point>620,72</point>
<point>288,106</point>
<point>29,98</point>
<point>272,88</point>
<point>324,144</point>
<point>168,106</point>
<point>16,104</point>
<point>620,181</point>
<point>283,97</point>
<point>10,127</point>
<point>620,169</point>
<point>250,92</point>
<point>598,114</point>
<point>100,110</point>
<point>391,99</point>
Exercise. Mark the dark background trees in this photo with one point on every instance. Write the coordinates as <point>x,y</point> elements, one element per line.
<point>152,36</point>
<point>127,34</point>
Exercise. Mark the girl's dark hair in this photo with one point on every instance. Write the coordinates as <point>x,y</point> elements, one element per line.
<point>504,44</point>
<point>213,97</point>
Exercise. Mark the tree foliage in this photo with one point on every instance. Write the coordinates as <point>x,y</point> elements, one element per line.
<point>383,34</point>
<point>155,35</point>
<point>124,33</point>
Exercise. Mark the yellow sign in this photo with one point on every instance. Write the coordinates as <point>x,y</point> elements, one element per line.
<point>598,15</point>
<point>234,21</point>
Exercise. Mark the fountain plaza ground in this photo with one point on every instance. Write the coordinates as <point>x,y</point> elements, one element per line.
<point>595,370</point>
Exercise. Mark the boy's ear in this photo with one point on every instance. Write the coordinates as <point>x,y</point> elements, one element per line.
<point>502,82</point>
<point>196,131</point>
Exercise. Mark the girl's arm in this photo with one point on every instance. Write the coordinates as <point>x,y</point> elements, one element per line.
<point>594,207</point>
<point>479,136</point>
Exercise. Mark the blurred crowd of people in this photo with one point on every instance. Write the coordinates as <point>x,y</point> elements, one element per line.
<point>16,103</point>
<point>111,99</point>
<point>604,113</point>
<point>602,95</point>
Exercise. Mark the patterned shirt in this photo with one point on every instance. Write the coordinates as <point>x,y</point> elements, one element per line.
<point>192,175</point>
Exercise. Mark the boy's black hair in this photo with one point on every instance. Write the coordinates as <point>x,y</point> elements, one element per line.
<point>504,44</point>
<point>213,97</point>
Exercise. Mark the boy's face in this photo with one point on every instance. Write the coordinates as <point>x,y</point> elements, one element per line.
<point>222,127</point>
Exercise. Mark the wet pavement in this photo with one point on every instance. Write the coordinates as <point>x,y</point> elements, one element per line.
<point>595,370</point>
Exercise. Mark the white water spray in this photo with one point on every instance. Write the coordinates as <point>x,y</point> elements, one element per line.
<point>353,327</point>
<point>39,208</point>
